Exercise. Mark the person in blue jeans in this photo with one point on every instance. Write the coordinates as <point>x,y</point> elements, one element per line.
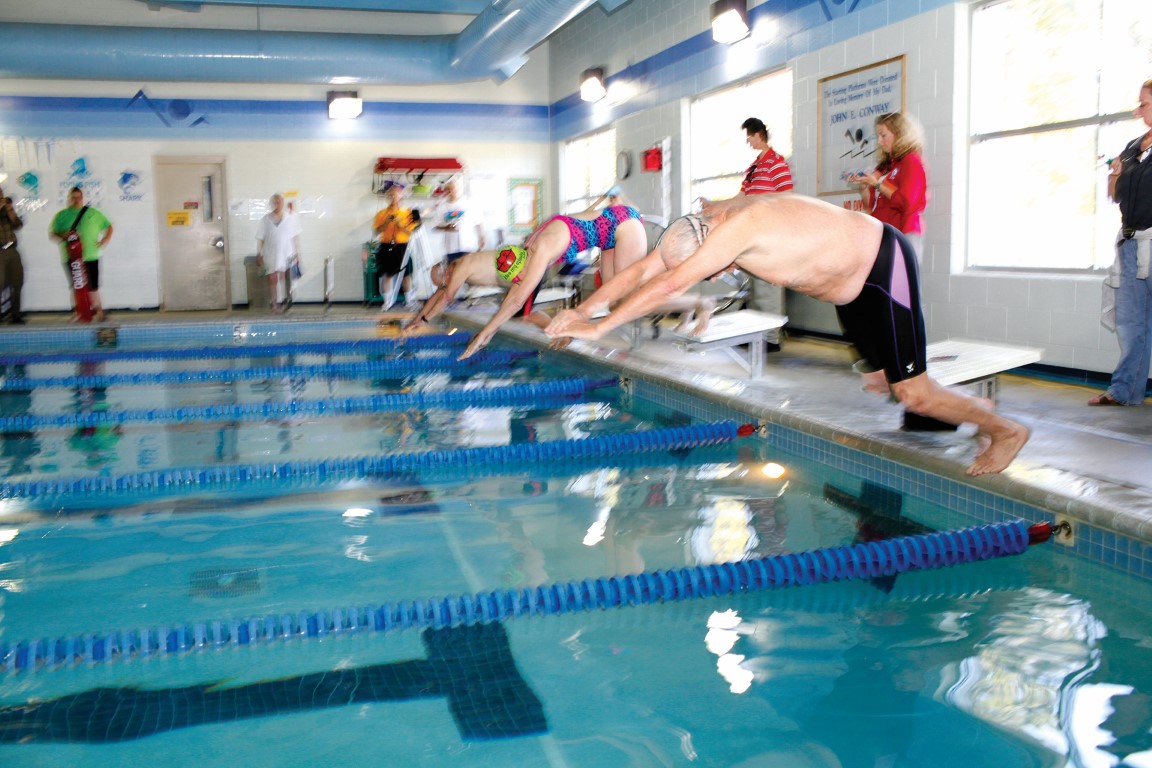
<point>1128,300</point>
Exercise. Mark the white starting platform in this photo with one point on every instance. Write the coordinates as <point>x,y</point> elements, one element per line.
<point>956,361</point>
<point>731,329</point>
<point>477,293</point>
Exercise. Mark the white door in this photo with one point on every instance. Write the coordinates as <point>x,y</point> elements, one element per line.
<point>193,235</point>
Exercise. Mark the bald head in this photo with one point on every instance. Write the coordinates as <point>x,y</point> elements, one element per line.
<point>682,238</point>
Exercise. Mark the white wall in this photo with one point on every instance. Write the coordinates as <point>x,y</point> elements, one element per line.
<point>338,174</point>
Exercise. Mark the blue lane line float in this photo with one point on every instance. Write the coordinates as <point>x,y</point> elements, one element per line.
<point>335,347</point>
<point>391,368</point>
<point>488,459</point>
<point>540,394</point>
<point>866,560</point>
<point>535,479</point>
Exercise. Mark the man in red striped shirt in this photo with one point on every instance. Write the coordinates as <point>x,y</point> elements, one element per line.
<point>769,172</point>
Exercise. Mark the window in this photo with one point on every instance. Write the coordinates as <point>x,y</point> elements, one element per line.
<point>589,170</point>
<point>719,149</point>
<point>1053,86</point>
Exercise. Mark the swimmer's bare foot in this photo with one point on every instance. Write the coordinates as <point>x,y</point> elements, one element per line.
<point>1003,445</point>
<point>876,383</point>
<point>703,316</point>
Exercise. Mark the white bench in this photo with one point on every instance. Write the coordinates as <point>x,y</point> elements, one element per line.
<point>731,329</point>
<point>545,296</point>
<point>956,361</point>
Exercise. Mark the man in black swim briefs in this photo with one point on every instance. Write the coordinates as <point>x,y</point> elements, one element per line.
<point>850,259</point>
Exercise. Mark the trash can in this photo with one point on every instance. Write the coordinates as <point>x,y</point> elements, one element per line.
<point>371,277</point>
<point>257,284</point>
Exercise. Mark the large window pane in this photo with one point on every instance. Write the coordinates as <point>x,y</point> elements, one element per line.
<point>719,153</point>
<point>1037,196</point>
<point>1126,58</point>
<point>1039,213</point>
<point>589,169</point>
<point>1031,63</point>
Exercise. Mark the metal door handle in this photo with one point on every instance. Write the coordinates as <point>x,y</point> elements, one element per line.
<point>217,242</point>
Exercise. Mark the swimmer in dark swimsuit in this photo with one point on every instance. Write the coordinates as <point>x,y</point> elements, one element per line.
<point>849,259</point>
<point>617,230</point>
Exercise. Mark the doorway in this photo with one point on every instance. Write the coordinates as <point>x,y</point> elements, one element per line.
<point>191,202</point>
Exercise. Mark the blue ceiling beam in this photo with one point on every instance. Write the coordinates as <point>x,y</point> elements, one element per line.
<point>465,7</point>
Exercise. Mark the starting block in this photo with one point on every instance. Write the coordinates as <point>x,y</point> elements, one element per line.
<point>731,329</point>
<point>955,361</point>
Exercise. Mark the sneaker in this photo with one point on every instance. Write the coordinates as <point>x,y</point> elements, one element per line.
<point>17,320</point>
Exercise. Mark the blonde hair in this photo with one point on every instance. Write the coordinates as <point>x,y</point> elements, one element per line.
<point>907,134</point>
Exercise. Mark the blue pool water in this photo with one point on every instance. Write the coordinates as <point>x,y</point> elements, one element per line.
<point>1033,660</point>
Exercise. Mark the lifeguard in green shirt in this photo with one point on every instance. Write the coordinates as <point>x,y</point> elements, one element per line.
<point>95,231</point>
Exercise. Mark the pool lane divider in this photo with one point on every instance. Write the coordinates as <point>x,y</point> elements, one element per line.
<point>866,560</point>
<point>388,368</point>
<point>334,347</point>
<point>520,458</point>
<point>539,394</point>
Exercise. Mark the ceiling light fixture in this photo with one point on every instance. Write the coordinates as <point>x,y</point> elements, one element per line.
<point>729,21</point>
<point>344,105</point>
<point>592,84</point>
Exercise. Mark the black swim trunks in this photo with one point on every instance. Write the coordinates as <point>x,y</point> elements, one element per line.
<point>390,258</point>
<point>885,322</point>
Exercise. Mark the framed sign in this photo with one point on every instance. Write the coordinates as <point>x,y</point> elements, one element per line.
<point>849,104</point>
<point>523,205</point>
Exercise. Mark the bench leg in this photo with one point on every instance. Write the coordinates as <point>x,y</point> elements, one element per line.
<point>988,388</point>
<point>756,357</point>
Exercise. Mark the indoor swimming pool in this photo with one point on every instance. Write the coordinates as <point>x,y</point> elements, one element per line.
<point>303,544</point>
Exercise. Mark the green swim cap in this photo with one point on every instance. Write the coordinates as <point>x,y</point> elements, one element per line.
<point>510,259</point>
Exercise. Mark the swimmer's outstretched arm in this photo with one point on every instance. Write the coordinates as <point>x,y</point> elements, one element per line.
<point>621,285</point>
<point>518,295</point>
<point>718,252</point>
<point>444,295</point>
<point>432,307</point>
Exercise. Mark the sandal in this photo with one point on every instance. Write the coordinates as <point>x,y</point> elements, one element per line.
<point>1104,399</point>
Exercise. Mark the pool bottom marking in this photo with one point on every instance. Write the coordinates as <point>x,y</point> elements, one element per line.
<point>224,582</point>
<point>471,666</point>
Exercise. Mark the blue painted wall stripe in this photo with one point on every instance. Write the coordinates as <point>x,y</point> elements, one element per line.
<point>237,119</point>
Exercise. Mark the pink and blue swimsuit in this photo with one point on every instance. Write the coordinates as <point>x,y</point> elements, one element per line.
<point>599,232</point>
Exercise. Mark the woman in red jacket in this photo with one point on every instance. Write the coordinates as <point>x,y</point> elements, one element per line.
<point>896,192</point>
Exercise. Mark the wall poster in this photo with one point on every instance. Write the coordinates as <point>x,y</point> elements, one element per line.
<point>849,104</point>
<point>524,205</point>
